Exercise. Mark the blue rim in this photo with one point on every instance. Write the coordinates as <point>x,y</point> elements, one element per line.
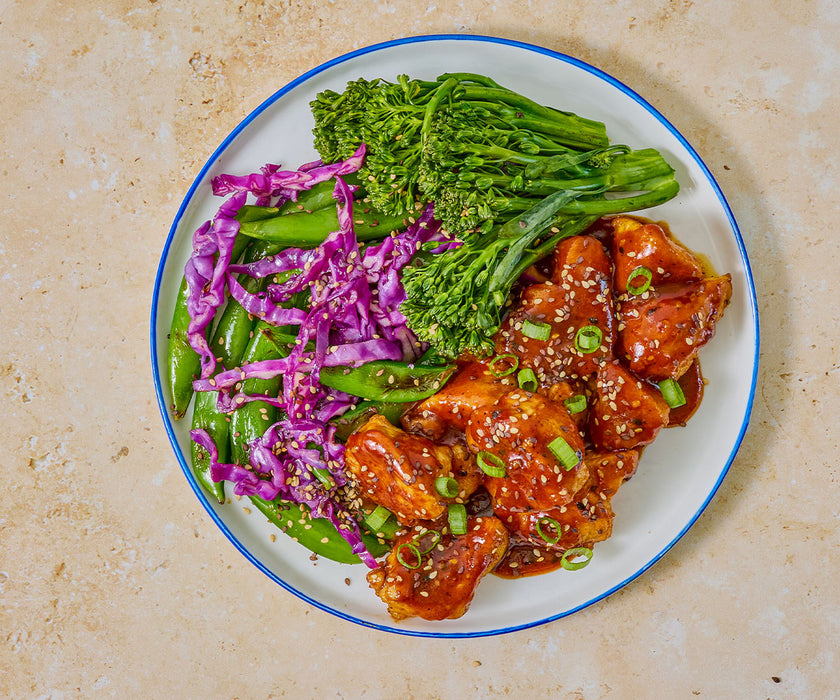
<point>270,101</point>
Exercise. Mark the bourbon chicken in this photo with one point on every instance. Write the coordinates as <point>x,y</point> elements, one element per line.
<point>647,305</point>
<point>398,470</point>
<point>579,295</point>
<point>441,583</point>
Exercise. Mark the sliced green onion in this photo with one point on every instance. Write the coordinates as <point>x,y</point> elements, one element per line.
<point>588,338</point>
<point>411,547</point>
<point>490,464</point>
<point>446,486</point>
<point>324,477</point>
<point>640,271</point>
<point>377,518</point>
<point>672,393</point>
<point>514,360</point>
<point>527,380</point>
<point>573,553</point>
<point>575,404</point>
<point>553,539</point>
<point>564,452</point>
<point>537,331</point>
<point>435,539</point>
<point>457,519</point>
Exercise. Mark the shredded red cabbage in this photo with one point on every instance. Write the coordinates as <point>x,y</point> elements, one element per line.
<point>353,318</point>
<point>272,182</point>
<point>205,272</point>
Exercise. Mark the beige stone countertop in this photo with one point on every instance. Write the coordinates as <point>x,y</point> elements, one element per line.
<point>114,582</point>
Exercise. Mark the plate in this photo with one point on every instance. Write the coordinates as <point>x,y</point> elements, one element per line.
<point>678,475</point>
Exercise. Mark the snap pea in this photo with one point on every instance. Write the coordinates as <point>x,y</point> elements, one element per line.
<point>310,228</point>
<point>207,416</point>
<point>386,380</point>
<point>250,420</point>
<point>251,212</point>
<point>317,197</point>
<point>182,362</point>
<point>281,339</point>
<point>316,534</point>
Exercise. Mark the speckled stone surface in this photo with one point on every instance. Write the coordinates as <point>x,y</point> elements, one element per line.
<point>113,580</point>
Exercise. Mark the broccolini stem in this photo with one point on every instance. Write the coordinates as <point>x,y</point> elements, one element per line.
<point>567,227</point>
<point>443,91</point>
<point>527,114</point>
<point>660,192</point>
<point>632,171</point>
<point>472,78</point>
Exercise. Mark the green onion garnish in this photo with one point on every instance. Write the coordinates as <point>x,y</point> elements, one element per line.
<point>446,486</point>
<point>527,380</point>
<point>324,477</point>
<point>588,339</point>
<point>537,331</point>
<point>490,464</point>
<point>575,552</point>
<point>411,547</point>
<point>458,519</point>
<point>377,518</point>
<point>672,393</point>
<point>435,539</point>
<point>564,452</point>
<point>550,539</point>
<point>514,360</point>
<point>640,271</point>
<point>575,404</point>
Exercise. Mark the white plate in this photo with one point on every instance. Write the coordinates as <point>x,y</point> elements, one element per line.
<point>678,474</point>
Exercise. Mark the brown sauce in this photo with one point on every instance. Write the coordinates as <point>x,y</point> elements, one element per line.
<point>526,559</point>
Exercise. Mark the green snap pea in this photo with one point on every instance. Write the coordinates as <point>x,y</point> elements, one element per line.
<point>251,212</point>
<point>317,197</point>
<point>386,380</point>
<point>311,228</point>
<point>250,420</point>
<point>282,339</point>
<point>182,362</point>
<point>207,417</point>
<point>316,534</point>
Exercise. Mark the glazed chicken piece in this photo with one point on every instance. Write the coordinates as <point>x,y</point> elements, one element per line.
<point>450,408</point>
<point>397,470</point>
<point>611,469</point>
<point>518,429</point>
<point>578,296</point>
<point>568,391</point>
<point>583,522</point>
<point>465,469</point>
<point>636,244</point>
<point>627,412</point>
<point>662,330</point>
<point>443,583</point>
<point>586,521</point>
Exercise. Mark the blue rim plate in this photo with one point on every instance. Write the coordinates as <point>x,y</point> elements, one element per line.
<point>678,475</point>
